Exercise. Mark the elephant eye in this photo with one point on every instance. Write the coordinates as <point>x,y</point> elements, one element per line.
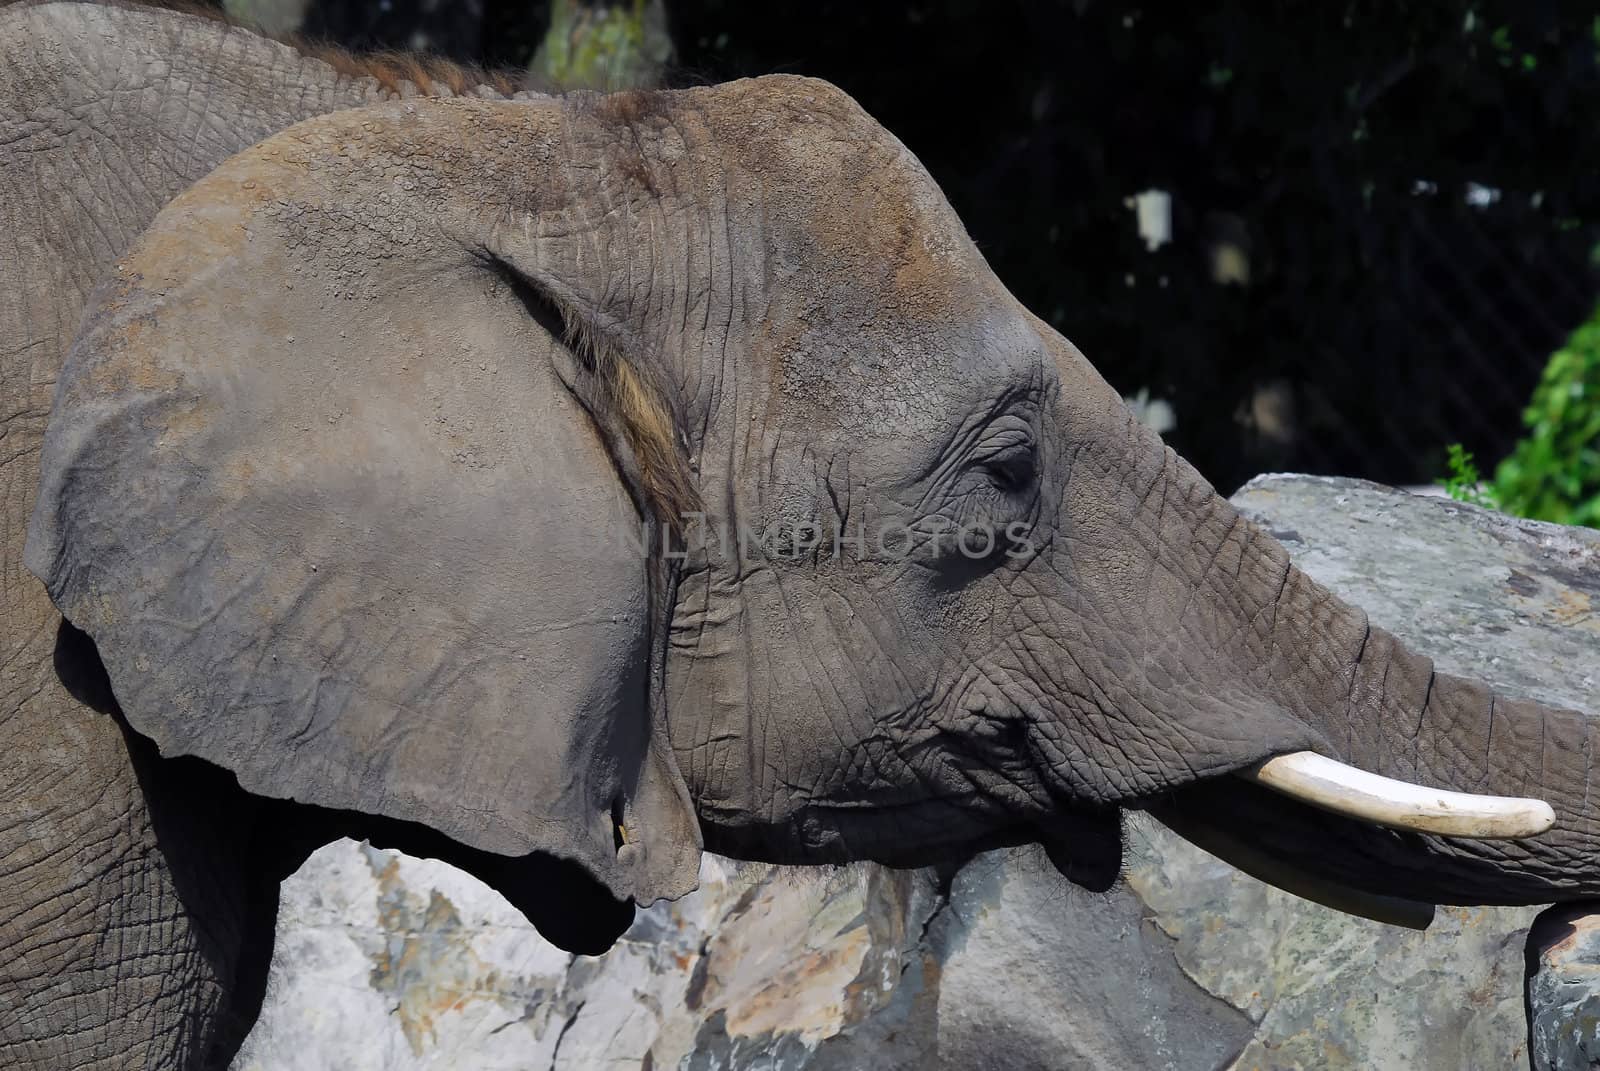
<point>1013,467</point>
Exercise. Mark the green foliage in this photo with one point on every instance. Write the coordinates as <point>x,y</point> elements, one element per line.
<point>595,44</point>
<point>1554,472</point>
<point>1465,482</point>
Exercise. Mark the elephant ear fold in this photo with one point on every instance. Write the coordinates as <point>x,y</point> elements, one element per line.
<point>334,523</point>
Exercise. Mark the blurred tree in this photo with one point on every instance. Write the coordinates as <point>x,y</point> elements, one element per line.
<point>604,44</point>
<point>1554,473</point>
<point>449,27</point>
<point>275,17</point>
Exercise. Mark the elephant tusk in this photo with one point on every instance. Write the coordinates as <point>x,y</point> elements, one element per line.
<point>1334,786</point>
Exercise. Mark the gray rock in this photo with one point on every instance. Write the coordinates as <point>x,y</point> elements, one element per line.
<point>1564,989</point>
<point>1512,602</point>
<point>389,962</point>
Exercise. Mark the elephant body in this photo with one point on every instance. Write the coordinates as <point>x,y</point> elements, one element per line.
<point>329,400</point>
<point>138,906</point>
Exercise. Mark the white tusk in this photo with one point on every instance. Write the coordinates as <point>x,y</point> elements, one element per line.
<point>1333,786</point>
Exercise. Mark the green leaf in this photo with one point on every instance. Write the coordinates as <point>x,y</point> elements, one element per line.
<point>1553,473</point>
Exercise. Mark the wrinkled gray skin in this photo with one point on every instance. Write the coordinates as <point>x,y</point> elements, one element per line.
<point>322,474</point>
<point>138,893</point>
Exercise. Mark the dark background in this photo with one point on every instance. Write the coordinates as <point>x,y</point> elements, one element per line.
<point>1330,147</point>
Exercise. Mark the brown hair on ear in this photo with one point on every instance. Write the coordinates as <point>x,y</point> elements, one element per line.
<point>647,420</point>
<point>428,73</point>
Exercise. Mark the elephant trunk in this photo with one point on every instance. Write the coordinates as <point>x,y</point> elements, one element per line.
<point>1402,719</point>
<point>1382,708</point>
<point>1195,652</point>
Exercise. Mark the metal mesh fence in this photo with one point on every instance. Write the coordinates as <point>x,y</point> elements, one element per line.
<point>1472,302</point>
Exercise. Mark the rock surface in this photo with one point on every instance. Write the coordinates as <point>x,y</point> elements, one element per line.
<point>1564,989</point>
<point>384,961</point>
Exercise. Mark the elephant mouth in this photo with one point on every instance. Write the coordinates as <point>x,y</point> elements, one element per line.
<point>1086,846</point>
<point>1335,834</point>
<point>1314,827</point>
<point>1192,818</point>
<point>1089,849</point>
<point>1306,824</point>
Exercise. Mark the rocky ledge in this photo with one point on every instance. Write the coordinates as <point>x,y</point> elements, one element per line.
<point>388,962</point>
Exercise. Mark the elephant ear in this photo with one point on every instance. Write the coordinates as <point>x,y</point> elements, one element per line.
<point>314,485</point>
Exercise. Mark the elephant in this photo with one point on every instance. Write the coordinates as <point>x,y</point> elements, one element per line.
<point>138,892</point>
<point>566,485</point>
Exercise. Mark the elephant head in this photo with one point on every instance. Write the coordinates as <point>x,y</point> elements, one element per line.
<point>611,475</point>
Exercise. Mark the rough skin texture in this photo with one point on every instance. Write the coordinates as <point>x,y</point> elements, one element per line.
<point>131,911</point>
<point>318,546</point>
<point>834,350</point>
